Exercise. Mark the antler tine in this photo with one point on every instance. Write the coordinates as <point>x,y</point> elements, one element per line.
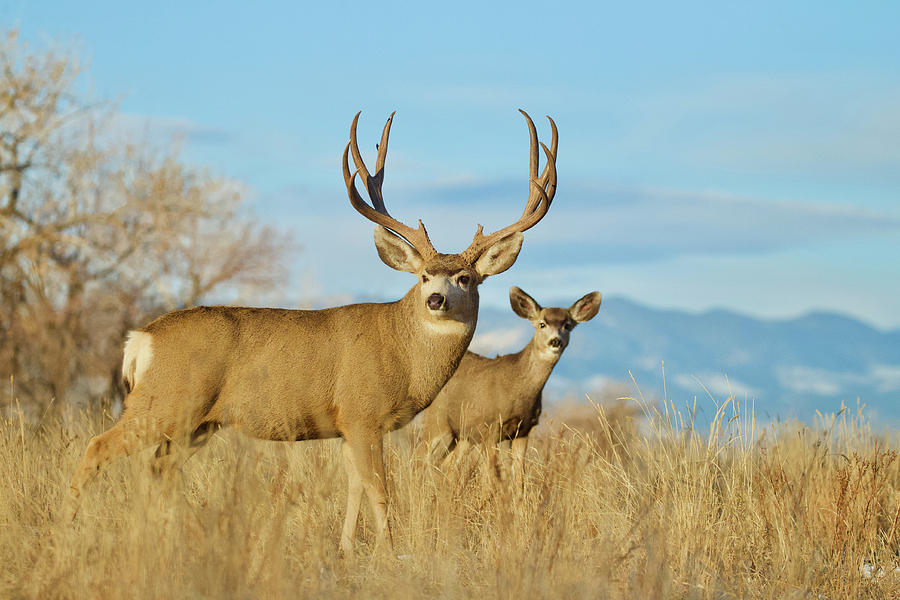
<point>377,213</point>
<point>533,139</point>
<point>373,184</point>
<point>540,196</point>
<point>543,191</point>
<point>553,143</point>
<point>382,148</point>
<point>547,183</point>
<point>534,199</point>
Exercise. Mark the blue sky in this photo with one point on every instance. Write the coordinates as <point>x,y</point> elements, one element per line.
<point>732,155</point>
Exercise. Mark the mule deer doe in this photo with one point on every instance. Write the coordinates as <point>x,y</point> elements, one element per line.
<point>489,400</point>
<point>354,372</point>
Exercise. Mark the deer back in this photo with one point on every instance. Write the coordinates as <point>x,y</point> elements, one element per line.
<point>294,374</point>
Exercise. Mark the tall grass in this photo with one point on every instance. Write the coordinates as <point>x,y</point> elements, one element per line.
<point>613,508</point>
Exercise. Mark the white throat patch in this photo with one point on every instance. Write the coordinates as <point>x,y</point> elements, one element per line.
<point>447,326</point>
<point>546,354</point>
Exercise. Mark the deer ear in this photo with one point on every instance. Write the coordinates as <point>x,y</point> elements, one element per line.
<point>500,256</point>
<point>523,305</point>
<point>395,252</point>
<point>586,308</point>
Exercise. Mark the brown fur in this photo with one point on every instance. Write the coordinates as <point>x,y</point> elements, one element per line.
<point>299,396</point>
<point>489,400</point>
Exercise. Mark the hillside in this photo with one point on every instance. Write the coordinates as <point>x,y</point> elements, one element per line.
<point>790,368</point>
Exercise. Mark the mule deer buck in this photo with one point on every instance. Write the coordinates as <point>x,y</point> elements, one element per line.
<point>491,400</point>
<point>354,372</point>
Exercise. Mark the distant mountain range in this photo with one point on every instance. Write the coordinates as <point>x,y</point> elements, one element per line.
<point>789,368</point>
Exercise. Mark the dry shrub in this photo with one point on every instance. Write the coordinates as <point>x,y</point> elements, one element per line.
<point>100,234</point>
<point>606,420</point>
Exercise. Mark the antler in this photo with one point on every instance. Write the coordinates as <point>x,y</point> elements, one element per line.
<point>541,195</point>
<point>417,238</point>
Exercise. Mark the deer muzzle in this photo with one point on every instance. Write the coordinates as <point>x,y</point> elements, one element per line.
<point>436,302</point>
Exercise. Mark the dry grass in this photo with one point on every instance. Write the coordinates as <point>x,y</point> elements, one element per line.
<point>618,511</point>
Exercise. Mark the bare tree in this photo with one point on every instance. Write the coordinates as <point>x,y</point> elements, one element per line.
<point>97,234</point>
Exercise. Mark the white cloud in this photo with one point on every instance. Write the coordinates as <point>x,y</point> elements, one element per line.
<point>887,377</point>
<point>809,380</point>
<point>649,362</point>
<point>827,123</point>
<point>632,224</point>
<point>720,385</point>
<point>599,382</point>
<point>497,341</point>
<point>823,382</point>
<point>165,130</point>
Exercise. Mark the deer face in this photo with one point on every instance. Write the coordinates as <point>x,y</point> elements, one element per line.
<point>552,326</point>
<point>447,285</point>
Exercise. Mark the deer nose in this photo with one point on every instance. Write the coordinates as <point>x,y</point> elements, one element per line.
<point>555,343</point>
<point>435,301</point>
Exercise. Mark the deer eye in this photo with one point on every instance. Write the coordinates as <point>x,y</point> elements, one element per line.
<point>424,278</point>
<point>567,326</point>
<point>543,324</point>
<point>463,280</point>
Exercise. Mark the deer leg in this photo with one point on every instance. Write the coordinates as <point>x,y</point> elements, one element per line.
<point>163,458</point>
<point>170,454</point>
<point>437,448</point>
<point>377,492</point>
<point>124,438</point>
<point>504,450</point>
<point>519,446</point>
<point>457,454</point>
<point>365,457</point>
<point>463,447</point>
<point>354,497</point>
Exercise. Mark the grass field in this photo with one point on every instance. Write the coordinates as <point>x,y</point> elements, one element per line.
<point>613,508</point>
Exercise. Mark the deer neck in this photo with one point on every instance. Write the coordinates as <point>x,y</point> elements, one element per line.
<point>434,347</point>
<point>536,365</point>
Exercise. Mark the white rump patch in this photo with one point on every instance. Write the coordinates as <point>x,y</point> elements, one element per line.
<point>138,354</point>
